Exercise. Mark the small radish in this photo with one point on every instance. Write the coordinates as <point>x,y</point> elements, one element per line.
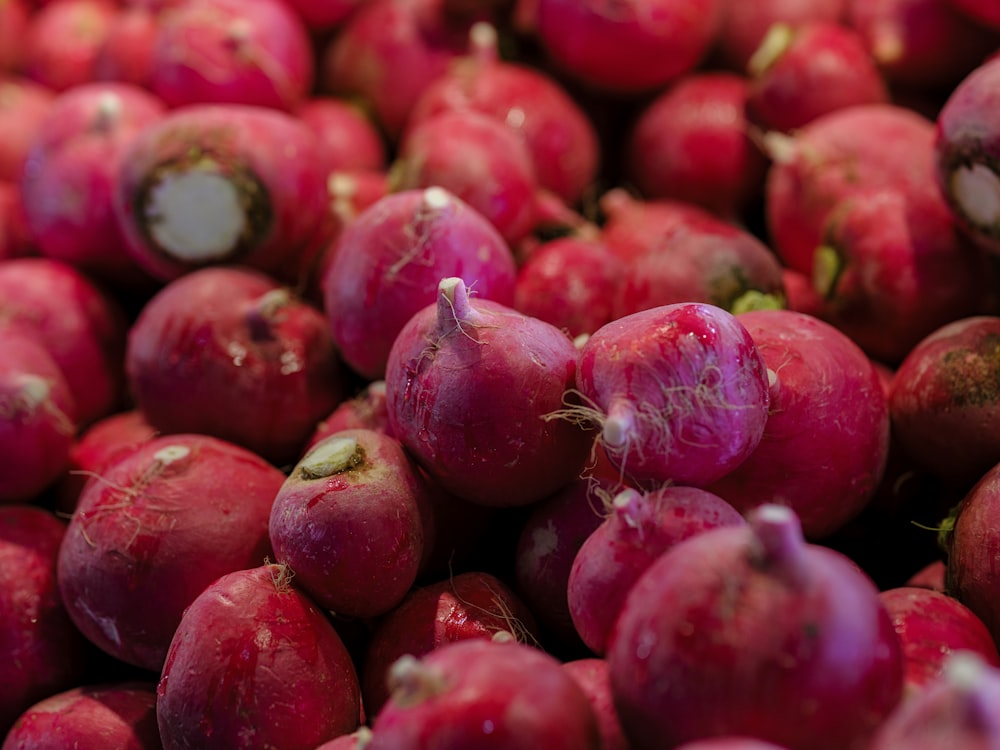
<point>591,674</point>
<point>63,40</point>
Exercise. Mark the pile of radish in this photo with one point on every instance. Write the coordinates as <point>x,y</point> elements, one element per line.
<point>499,374</point>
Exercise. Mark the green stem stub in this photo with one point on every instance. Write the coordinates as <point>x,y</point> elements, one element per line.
<point>828,265</point>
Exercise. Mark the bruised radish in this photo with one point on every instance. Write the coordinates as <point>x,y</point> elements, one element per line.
<point>448,393</point>
<point>680,393</point>
<point>63,40</point>
<point>591,674</point>
<point>484,694</point>
<point>348,138</point>
<point>213,183</point>
<point>256,663</point>
<point>229,352</point>
<point>752,631</point>
<point>23,106</point>
<point>164,521</point>
<point>388,262</point>
<point>104,715</point>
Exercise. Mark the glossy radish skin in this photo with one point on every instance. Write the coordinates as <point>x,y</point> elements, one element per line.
<point>448,388</point>
<point>824,673</point>
<point>166,520</point>
<point>639,528</point>
<point>822,462</point>
<point>389,260</point>
<point>479,693</point>
<point>293,659</point>
<point>63,40</point>
<point>591,674</point>
<point>680,393</point>
<point>230,352</point>
<point>42,651</point>
<point>23,106</point>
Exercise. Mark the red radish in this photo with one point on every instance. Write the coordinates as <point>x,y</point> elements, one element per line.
<point>69,180</point>
<point>229,352</point>
<point>388,262</point>
<point>484,694</point>
<point>348,521</point>
<point>591,675</point>
<point>448,391</point>
<point>63,40</point>
<point>366,410</point>
<point>801,72</point>
<point>692,143</point>
<point>41,651</point>
<point>37,418</point>
<point>981,11</point>
<point>931,627</point>
<point>323,15</point>
<point>477,158</point>
<point>15,239</point>
<point>729,743</point>
<point>164,521</point>
<point>752,631</point>
<point>81,325</point>
<point>800,293</point>
<point>254,52</point>
<point>256,663</point>
<point>15,20</point>
<point>559,136</point>
<point>470,605</point>
<point>870,147</point>
<point>831,476</point>
<point>680,393</point>
<point>350,141</point>
<point>105,715</point>
<point>942,402</point>
<point>639,528</point>
<point>569,282</point>
<point>23,106</point>
<point>212,184</point>
<point>931,576</point>
<point>622,49</point>
<point>126,54</point>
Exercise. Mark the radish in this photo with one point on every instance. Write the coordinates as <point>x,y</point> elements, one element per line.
<point>622,49</point>
<point>63,40</point>
<point>930,576</point>
<point>591,674</point>
<point>163,521</point>
<point>680,393</point>
<point>323,15</point>
<point>69,180</point>
<point>487,695</point>
<point>92,717</point>
<point>752,631</point>
<point>80,323</point>
<point>691,143</point>
<point>981,11</point>
<point>388,262</point>
<point>41,651</point>
<point>831,476</point>
<point>638,529</point>
<point>366,410</point>
<point>15,239</point>
<point>15,20</point>
<point>800,293</point>
<point>212,184</point>
<point>451,369</point>
<point>126,53</point>
<point>348,138</point>
<point>256,663</point>
<point>470,605</point>
<point>249,362</point>
<point>799,73</point>
<point>23,106</point>
<point>348,521</point>
<point>254,52</point>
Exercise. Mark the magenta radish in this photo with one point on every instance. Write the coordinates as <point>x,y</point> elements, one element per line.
<point>15,239</point>
<point>323,15</point>
<point>15,19</point>
<point>680,393</point>
<point>267,348</point>
<point>484,694</point>
<point>126,54</point>
<point>41,651</point>
<point>752,631</point>
<point>163,521</point>
<point>622,50</point>
<point>365,410</point>
<point>388,262</point>
<point>638,529</point>
<point>63,40</point>
<point>23,106</point>
<point>591,674</point>
<point>255,662</point>
<point>800,73</point>
<point>691,143</point>
<point>213,183</point>
<point>81,325</point>
<point>469,605</point>
<point>69,182</point>
<point>104,715</point>
<point>981,11</point>
<point>451,369</point>
<point>348,138</point>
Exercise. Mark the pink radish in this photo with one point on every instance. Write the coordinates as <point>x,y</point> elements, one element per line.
<point>348,138</point>
<point>126,53</point>
<point>23,106</point>
<point>680,393</point>
<point>255,662</point>
<point>63,40</point>
<point>451,368</point>
<point>388,262</point>
<point>163,521</point>
<point>591,674</point>
<point>212,343</point>
<point>752,631</point>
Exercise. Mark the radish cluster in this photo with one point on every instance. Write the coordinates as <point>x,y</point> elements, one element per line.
<point>505,374</point>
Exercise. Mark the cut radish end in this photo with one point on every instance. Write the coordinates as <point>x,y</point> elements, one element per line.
<point>171,453</point>
<point>618,425</point>
<point>436,198</point>
<point>34,391</point>
<point>109,109</point>
<point>976,190</point>
<point>331,457</point>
